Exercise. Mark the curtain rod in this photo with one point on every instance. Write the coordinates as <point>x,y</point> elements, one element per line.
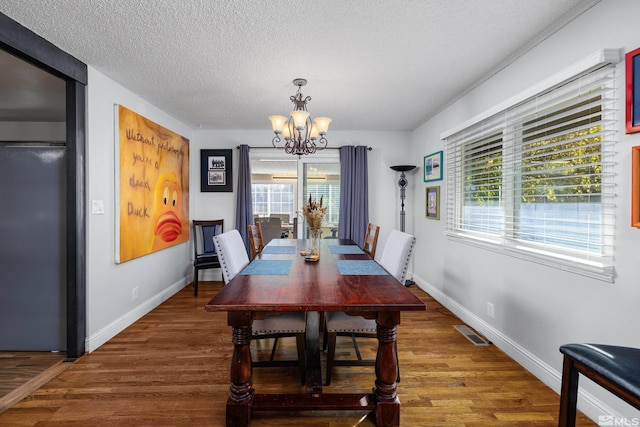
<point>282,148</point>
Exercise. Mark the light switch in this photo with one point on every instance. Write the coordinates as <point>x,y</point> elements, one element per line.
<point>97,207</point>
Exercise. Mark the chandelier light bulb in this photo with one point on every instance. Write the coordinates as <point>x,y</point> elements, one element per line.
<point>300,118</point>
<point>313,135</point>
<point>277,123</point>
<point>286,132</point>
<point>323,124</point>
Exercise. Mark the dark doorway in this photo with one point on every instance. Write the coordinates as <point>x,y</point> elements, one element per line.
<point>28,46</point>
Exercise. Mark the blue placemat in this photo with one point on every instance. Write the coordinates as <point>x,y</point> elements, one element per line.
<point>268,266</point>
<point>360,267</point>
<point>279,249</point>
<point>345,249</point>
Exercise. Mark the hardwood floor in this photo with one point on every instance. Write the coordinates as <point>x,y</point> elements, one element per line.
<point>23,372</point>
<point>171,368</point>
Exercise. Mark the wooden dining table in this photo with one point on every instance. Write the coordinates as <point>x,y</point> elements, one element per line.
<point>344,279</point>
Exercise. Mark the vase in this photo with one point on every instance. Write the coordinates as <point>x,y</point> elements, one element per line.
<point>314,242</point>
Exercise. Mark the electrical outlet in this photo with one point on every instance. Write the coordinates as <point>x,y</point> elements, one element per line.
<point>490,311</point>
<point>97,207</point>
<point>135,294</point>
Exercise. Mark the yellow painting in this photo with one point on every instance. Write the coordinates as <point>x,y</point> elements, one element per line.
<point>154,186</point>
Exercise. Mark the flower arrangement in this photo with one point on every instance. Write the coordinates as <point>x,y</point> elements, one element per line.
<point>314,213</point>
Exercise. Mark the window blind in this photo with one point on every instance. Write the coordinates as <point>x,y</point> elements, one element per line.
<point>537,178</point>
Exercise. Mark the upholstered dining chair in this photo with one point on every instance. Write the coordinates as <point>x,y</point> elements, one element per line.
<point>371,240</point>
<point>271,229</point>
<point>395,259</point>
<point>205,255</point>
<point>233,258</point>
<point>255,239</point>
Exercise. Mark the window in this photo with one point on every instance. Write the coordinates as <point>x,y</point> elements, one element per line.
<point>321,179</point>
<point>272,199</point>
<point>330,194</point>
<point>535,180</point>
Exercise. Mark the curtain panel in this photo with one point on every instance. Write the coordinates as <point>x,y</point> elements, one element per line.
<point>354,193</point>
<point>244,207</point>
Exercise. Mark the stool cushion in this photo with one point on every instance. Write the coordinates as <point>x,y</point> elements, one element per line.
<point>621,365</point>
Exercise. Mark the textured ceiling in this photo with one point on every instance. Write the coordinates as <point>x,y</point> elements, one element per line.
<point>228,64</point>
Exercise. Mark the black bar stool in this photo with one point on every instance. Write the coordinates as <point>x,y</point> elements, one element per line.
<point>617,369</point>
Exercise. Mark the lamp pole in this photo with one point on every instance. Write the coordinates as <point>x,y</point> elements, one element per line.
<point>402,183</point>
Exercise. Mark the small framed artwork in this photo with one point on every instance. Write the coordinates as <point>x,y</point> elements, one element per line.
<point>433,167</point>
<point>433,203</point>
<point>632,65</point>
<point>216,170</point>
<point>635,186</point>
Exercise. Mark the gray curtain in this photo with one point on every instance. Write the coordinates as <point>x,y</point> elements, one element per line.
<point>244,208</point>
<point>354,193</point>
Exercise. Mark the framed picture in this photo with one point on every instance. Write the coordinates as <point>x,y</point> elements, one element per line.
<point>216,170</point>
<point>635,186</point>
<point>632,63</point>
<point>433,203</point>
<point>433,167</point>
<point>144,177</point>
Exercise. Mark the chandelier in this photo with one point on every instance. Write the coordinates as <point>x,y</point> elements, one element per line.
<point>302,134</point>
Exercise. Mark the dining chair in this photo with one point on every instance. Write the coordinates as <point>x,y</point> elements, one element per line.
<point>283,217</point>
<point>615,368</point>
<point>255,239</point>
<point>271,229</point>
<point>294,232</point>
<point>371,240</point>
<point>233,259</point>
<point>284,224</point>
<point>205,255</point>
<point>395,258</point>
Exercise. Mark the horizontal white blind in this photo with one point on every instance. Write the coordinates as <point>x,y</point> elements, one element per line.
<point>538,176</point>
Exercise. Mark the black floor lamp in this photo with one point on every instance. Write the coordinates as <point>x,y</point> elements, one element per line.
<point>402,183</point>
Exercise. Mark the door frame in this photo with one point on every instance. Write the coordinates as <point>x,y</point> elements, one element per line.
<point>330,155</point>
<point>30,47</point>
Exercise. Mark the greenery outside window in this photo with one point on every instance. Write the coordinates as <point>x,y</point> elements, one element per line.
<point>535,180</point>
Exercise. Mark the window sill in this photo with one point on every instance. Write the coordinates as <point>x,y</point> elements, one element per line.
<point>593,269</point>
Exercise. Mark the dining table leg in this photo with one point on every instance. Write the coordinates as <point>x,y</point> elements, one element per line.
<point>313,373</point>
<point>385,392</point>
<point>241,388</point>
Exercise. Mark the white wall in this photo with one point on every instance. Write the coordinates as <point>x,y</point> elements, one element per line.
<point>110,303</point>
<point>539,308</point>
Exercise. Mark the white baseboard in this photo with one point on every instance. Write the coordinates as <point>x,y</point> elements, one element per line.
<point>120,324</point>
<point>587,403</point>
